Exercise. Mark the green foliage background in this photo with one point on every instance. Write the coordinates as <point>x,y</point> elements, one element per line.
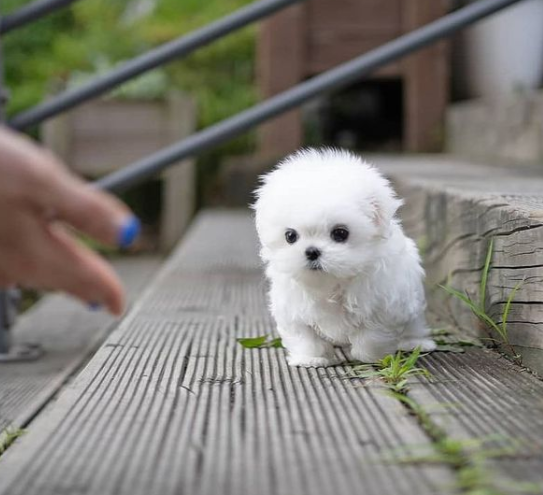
<point>41,58</point>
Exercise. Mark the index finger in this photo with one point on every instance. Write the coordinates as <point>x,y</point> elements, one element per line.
<point>94,212</point>
<point>43,182</point>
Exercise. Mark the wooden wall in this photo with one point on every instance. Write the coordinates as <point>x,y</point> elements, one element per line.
<point>317,35</point>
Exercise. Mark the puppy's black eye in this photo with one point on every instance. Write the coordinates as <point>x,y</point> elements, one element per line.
<point>291,236</point>
<point>339,234</point>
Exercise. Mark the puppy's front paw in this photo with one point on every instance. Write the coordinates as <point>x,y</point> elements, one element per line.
<point>312,362</point>
<point>425,345</point>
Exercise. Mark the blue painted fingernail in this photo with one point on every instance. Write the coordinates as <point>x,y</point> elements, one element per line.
<point>94,306</point>
<point>129,232</point>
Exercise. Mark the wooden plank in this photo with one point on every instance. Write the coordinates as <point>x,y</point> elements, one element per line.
<point>481,396</point>
<point>426,81</point>
<point>281,64</point>
<point>69,334</point>
<point>370,16</point>
<point>172,404</point>
<point>336,35</point>
<point>330,48</point>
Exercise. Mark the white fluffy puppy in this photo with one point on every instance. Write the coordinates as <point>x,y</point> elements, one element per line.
<point>341,269</point>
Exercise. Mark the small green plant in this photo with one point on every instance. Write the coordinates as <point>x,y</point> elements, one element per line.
<point>479,308</point>
<point>261,342</point>
<point>448,340</point>
<point>8,436</point>
<point>393,369</point>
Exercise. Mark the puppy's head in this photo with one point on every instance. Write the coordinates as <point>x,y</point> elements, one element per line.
<point>323,213</point>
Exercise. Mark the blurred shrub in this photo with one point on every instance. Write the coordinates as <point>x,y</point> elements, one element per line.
<point>69,46</point>
<point>41,56</point>
<point>152,85</point>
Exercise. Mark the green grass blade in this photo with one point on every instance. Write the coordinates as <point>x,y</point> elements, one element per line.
<point>491,323</point>
<point>8,436</point>
<point>484,275</point>
<point>260,342</point>
<point>460,295</point>
<point>253,342</point>
<point>364,374</point>
<point>477,311</point>
<point>276,343</point>
<point>399,386</point>
<point>507,308</point>
<point>414,406</point>
<point>413,358</point>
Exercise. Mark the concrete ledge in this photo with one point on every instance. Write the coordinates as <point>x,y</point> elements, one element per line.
<point>453,208</point>
<point>506,128</point>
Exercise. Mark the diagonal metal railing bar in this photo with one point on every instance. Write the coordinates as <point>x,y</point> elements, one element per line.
<point>333,79</point>
<point>30,13</point>
<point>150,60</point>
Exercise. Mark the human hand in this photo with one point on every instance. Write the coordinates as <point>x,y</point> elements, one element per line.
<point>39,202</point>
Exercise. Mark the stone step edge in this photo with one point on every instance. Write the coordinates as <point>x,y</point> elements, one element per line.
<point>453,227</point>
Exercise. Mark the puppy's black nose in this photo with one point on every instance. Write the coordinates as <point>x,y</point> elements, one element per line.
<point>312,253</point>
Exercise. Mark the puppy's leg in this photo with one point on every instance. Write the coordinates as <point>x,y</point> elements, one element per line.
<point>306,348</point>
<point>417,334</point>
<point>371,345</point>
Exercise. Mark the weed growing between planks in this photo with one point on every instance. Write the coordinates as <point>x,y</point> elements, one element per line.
<point>394,370</point>
<point>479,308</point>
<point>466,457</point>
<point>8,436</point>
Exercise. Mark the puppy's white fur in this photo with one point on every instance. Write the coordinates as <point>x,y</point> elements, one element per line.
<point>366,292</point>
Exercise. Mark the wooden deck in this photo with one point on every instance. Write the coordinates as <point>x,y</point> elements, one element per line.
<point>172,404</point>
<point>69,334</point>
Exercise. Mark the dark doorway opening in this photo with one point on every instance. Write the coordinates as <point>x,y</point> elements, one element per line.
<point>366,116</point>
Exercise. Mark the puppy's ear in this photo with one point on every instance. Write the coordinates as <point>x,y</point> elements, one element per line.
<point>384,207</point>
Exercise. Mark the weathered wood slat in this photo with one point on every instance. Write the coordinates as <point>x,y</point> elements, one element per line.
<point>172,404</point>
<point>453,209</point>
<point>69,333</point>
<point>481,395</point>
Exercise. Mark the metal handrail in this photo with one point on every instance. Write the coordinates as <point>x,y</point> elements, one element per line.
<point>161,55</point>
<point>30,13</point>
<point>330,80</point>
